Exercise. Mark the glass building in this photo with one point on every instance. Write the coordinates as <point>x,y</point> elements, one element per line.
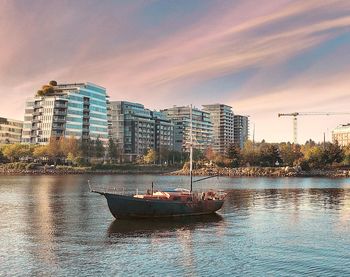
<point>136,129</point>
<point>223,126</point>
<point>10,130</point>
<point>72,110</point>
<point>241,130</point>
<point>202,128</point>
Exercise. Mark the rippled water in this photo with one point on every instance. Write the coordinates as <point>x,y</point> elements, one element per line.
<point>267,227</point>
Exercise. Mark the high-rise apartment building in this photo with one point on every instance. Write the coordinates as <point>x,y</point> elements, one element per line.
<point>10,130</point>
<point>223,126</point>
<point>341,134</point>
<point>202,127</point>
<point>78,110</point>
<point>137,129</point>
<point>241,130</point>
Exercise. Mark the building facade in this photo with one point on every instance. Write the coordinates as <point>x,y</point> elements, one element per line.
<point>341,134</point>
<point>137,129</point>
<point>223,126</point>
<point>241,130</point>
<point>10,130</point>
<point>72,110</point>
<point>202,128</point>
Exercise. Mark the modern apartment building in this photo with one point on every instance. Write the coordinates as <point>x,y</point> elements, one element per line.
<point>10,130</point>
<point>164,132</point>
<point>202,127</point>
<point>137,129</point>
<point>241,129</point>
<point>223,126</point>
<point>341,134</point>
<point>77,109</point>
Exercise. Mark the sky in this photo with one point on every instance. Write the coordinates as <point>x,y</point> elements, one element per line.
<point>261,57</point>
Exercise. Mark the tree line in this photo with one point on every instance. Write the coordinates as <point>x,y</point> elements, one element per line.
<point>309,155</point>
<point>57,151</point>
<point>77,152</point>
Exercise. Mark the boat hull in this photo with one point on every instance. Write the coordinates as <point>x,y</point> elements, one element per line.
<point>122,206</point>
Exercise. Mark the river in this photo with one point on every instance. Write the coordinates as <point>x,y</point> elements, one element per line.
<point>53,226</point>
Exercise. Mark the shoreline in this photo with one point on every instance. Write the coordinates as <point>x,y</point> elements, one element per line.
<point>255,172</point>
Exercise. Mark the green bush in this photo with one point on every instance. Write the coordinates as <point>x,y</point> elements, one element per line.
<point>304,165</point>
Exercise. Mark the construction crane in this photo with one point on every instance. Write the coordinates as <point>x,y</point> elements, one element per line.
<point>295,120</point>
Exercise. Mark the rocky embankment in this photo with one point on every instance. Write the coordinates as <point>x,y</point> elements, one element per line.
<point>76,171</point>
<point>265,172</point>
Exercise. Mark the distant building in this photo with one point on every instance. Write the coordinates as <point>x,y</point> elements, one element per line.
<point>137,129</point>
<point>241,130</point>
<point>223,126</point>
<point>341,134</point>
<point>202,127</point>
<point>78,110</point>
<point>10,130</point>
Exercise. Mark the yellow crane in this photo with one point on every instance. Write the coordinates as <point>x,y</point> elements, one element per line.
<point>295,119</point>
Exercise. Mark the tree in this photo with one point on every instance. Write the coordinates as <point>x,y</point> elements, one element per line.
<point>332,153</point>
<point>17,151</point>
<point>176,156</point>
<point>2,157</point>
<point>41,152</point>
<point>150,156</point>
<point>164,154</point>
<point>40,92</point>
<point>86,148</point>
<point>54,150</point>
<point>209,154</point>
<point>53,83</point>
<point>250,154</point>
<point>197,154</point>
<point>269,155</point>
<point>99,150</point>
<point>69,146</point>
<point>314,156</point>
<point>112,150</point>
<point>234,154</point>
<point>290,153</point>
<point>346,151</point>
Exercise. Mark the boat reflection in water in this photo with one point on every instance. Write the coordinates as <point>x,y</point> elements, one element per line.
<point>147,227</point>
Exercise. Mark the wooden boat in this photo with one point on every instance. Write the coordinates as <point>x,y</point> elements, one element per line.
<point>168,203</point>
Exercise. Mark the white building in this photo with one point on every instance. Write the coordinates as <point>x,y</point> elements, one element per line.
<point>10,130</point>
<point>341,134</point>
<point>78,110</point>
<point>223,126</point>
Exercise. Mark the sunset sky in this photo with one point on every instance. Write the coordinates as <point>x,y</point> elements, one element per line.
<point>260,57</point>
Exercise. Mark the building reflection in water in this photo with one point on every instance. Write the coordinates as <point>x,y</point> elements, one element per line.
<point>58,207</point>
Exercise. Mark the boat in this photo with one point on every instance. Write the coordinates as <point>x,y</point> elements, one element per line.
<point>177,202</point>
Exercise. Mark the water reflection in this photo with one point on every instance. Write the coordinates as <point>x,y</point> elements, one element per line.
<point>161,227</point>
<point>54,226</point>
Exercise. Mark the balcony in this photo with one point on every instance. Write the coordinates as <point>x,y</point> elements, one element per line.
<point>61,106</point>
<point>37,113</point>
<point>58,126</point>
<point>37,106</point>
<point>36,120</point>
<point>59,113</point>
<point>59,119</point>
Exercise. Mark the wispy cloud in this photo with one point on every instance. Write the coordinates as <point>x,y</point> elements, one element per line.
<point>152,52</point>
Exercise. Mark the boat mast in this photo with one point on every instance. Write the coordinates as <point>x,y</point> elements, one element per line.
<point>191,147</point>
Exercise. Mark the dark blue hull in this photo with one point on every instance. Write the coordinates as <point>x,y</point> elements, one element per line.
<point>122,206</point>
